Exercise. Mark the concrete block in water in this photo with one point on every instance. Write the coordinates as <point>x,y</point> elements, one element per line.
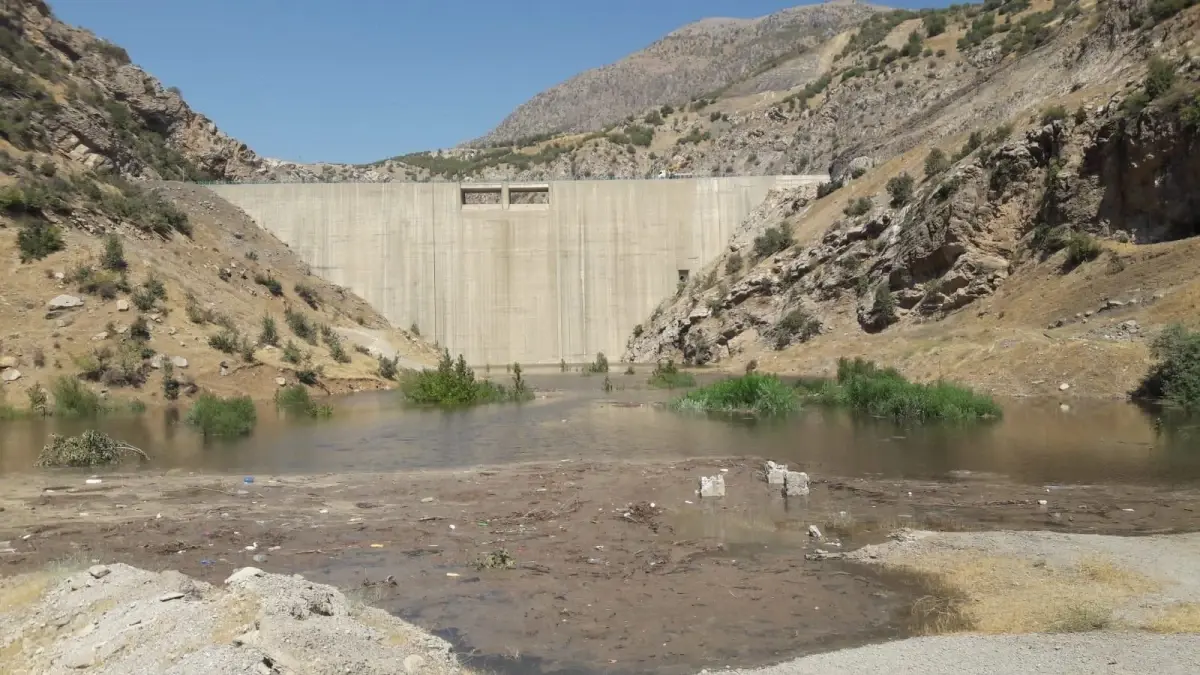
<point>712,486</point>
<point>795,484</point>
<point>776,473</point>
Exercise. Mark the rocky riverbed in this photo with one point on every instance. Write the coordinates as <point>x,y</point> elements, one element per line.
<point>569,566</point>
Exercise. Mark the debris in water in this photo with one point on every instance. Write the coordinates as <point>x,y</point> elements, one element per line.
<point>500,559</point>
<point>376,545</point>
<point>813,531</point>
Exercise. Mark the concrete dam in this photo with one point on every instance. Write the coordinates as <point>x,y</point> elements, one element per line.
<point>511,272</point>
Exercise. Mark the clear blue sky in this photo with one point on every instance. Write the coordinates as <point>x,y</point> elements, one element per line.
<point>361,80</point>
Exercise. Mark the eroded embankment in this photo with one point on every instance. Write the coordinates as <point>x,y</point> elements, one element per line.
<point>124,620</point>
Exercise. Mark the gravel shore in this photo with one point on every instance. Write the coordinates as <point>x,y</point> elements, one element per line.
<point>1107,653</point>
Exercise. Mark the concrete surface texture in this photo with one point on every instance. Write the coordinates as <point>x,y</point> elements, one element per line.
<point>502,273</point>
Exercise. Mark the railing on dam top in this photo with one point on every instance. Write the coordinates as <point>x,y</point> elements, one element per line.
<point>803,178</point>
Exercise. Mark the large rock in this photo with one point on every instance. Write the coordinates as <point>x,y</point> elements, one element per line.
<point>10,375</point>
<point>795,484</point>
<point>712,486</point>
<point>776,473</point>
<point>64,302</point>
<point>8,362</point>
<point>179,362</point>
<point>122,305</point>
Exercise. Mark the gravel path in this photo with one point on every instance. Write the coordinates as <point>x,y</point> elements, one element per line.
<point>1109,653</point>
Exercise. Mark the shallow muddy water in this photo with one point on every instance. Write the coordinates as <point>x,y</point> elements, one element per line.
<point>1037,441</point>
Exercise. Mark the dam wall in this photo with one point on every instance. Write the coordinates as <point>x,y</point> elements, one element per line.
<point>511,272</point>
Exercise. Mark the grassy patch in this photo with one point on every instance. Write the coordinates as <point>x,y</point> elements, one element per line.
<point>753,393</point>
<point>1006,594</point>
<point>452,383</point>
<point>884,392</point>
<point>91,448</point>
<point>216,416</point>
<point>295,400</point>
<point>666,375</point>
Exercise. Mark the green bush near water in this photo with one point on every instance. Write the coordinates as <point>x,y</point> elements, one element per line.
<point>666,375</point>
<point>452,383</point>
<point>1175,377</point>
<point>216,416</point>
<point>73,399</point>
<point>753,393</point>
<point>296,400</point>
<point>884,392</point>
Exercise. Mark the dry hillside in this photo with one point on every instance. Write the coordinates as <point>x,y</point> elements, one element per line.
<point>1031,223</point>
<point>696,59</point>
<point>149,272</point>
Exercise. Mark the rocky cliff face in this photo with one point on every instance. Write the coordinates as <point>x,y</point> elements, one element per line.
<point>1121,166</point>
<point>78,96</point>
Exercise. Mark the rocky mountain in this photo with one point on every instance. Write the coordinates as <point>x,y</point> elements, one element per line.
<point>1021,180</point>
<point>115,273</point>
<point>699,58</point>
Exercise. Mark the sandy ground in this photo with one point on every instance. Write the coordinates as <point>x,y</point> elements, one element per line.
<point>616,567</point>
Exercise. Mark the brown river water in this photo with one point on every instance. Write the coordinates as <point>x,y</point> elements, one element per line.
<point>1038,441</point>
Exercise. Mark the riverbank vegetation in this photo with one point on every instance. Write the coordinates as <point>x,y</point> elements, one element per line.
<point>71,398</point>
<point>884,392</point>
<point>227,417</point>
<point>752,393</point>
<point>452,383</point>
<point>666,375</point>
<point>1174,379</point>
<point>295,400</point>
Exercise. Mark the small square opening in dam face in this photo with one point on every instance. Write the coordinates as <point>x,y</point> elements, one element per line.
<point>529,194</point>
<point>683,276</point>
<point>481,196</point>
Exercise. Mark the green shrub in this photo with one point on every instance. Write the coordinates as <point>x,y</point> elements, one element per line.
<point>296,400</point>
<point>454,384</point>
<point>150,292</point>
<point>113,258</point>
<point>388,368</point>
<point>308,294</point>
<point>139,330</point>
<point>73,399</point>
<point>292,353</point>
<point>270,283</point>
<point>600,365</point>
<point>935,24</point>
<point>900,188</point>
<point>666,375</point>
<point>39,401</point>
<point>797,325</point>
<point>775,239</point>
<point>217,416</point>
<point>751,393</point>
<point>104,283</point>
<point>225,341</point>
<point>1081,247</point>
<point>1175,377</point>
<point>269,335</point>
<point>858,207</point>
<point>828,188</point>
<point>733,264</point>
<point>936,162</point>
<point>37,239</point>
<point>1160,77</point>
<point>170,384</point>
<point>1055,113</point>
<point>883,392</point>
<point>301,325</point>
